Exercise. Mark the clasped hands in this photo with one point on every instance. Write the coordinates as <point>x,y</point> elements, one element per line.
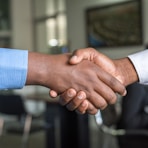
<point>112,79</point>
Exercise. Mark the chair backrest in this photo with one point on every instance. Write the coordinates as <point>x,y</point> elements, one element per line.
<point>12,105</point>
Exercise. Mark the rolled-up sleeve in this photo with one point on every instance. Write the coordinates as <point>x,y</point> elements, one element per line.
<point>140,62</point>
<point>13,68</point>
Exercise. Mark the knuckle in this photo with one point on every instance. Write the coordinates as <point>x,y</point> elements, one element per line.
<point>114,82</point>
<point>74,103</point>
<point>69,107</point>
<point>92,111</point>
<point>103,105</point>
<point>80,111</point>
<point>112,99</point>
<point>62,101</point>
<point>100,104</point>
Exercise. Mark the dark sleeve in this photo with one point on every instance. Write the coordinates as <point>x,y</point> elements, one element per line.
<point>133,108</point>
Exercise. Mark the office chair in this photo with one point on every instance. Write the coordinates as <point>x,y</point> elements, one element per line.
<point>130,127</point>
<point>13,105</point>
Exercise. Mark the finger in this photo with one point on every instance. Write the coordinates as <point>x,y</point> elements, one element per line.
<point>117,86</point>
<point>76,101</point>
<point>87,107</point>
<point>82,54</point>
<point>91,109</point>
<point>82,107</point>
<point>97,101</point>
<point>113,84</point>
<point>109,84</point>
<point>53,93</point>
<point>67,96</point>
<point>104,95</point>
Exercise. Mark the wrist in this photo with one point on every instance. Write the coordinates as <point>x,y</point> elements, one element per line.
<point>127,71</point>
<point>36,69</point>
<point>47,70</point>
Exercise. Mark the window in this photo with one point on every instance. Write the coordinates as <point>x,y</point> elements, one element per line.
<point>50,31</point>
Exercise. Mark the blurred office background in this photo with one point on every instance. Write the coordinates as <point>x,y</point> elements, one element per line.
<point>59,26</point>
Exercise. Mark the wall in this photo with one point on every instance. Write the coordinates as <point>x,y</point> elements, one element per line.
<point>21,24</point>
<point>76,26</point>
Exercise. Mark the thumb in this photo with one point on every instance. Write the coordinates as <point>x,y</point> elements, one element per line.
<point>53,93</point>
<point>76,59</point>
<point>79,55</point>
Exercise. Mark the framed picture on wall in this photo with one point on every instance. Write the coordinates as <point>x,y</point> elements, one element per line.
<point>118,24</point>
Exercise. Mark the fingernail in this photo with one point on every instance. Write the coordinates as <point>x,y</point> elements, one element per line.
<point>125,92</point>
<point>70,94</point>
<point>74,57</point>
<point>80,96</point>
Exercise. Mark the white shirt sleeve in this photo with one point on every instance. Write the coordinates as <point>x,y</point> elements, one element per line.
<point>140,62</point>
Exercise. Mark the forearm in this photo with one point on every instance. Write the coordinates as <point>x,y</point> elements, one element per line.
<point>41,69</point>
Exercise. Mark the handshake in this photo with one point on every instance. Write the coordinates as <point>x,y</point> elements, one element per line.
<point>86,80</point>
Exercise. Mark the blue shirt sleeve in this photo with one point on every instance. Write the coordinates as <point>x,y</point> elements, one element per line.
<point>13,68</point>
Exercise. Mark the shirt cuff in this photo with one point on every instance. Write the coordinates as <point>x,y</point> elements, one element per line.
<point>13,68</point>
<point>140,62</point>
